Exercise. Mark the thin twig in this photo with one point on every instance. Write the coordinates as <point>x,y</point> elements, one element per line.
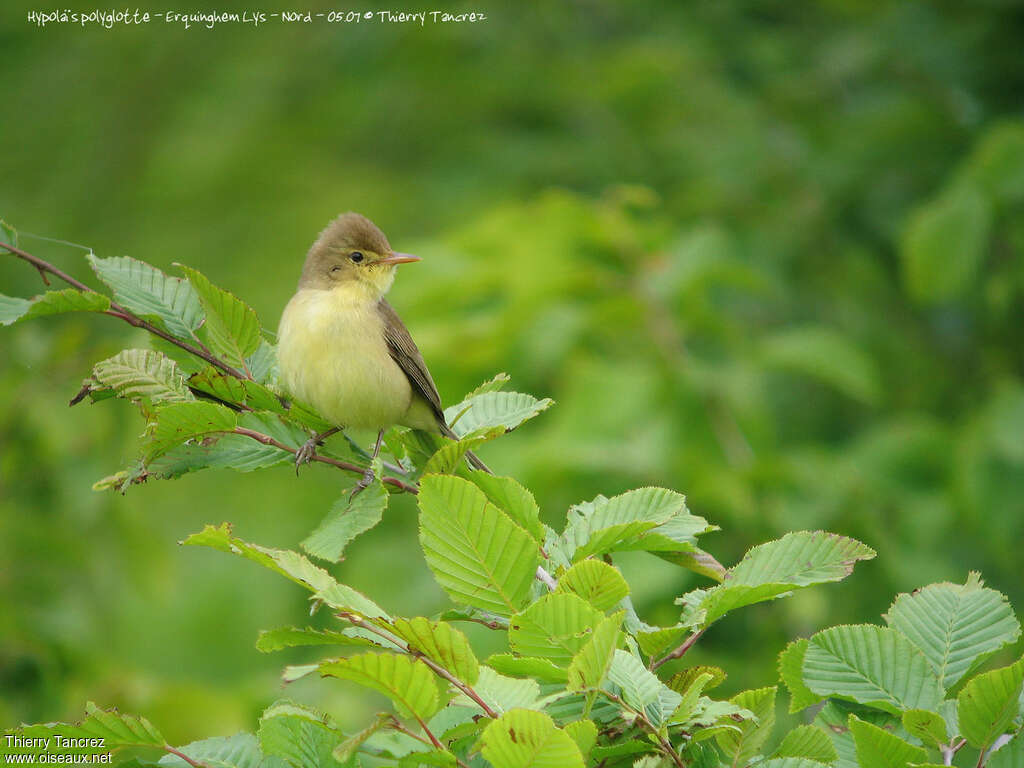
<point>678,652</point>
<point>116,310</point>
<point>437,668</point>
<point>442,672</point>
<point>396,725</point>
<point>186,758</point>
<point>664,744</point>
<point>433,739</point>
<point>949,752</point>
<point>344,465</point>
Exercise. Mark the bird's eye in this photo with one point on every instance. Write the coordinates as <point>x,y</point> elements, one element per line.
<point>356,256</point>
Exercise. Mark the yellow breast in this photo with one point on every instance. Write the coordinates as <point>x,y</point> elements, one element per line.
<point>332,354</point>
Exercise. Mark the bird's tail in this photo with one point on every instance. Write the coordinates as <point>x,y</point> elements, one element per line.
<point>473,460</point>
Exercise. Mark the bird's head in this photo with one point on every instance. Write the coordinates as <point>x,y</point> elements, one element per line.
<point>352,250</point>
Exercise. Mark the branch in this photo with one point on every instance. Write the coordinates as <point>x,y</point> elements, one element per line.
<point>343,465</point>
<point>182,755</point>
<point>682,649</point>
<point>437,668</point>
<point>116,310</point>
<point>664,744</point>
<point>545,577</point>
<point>433,739</point>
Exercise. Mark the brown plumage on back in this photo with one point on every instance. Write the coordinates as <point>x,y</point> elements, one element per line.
<point>405,352</point>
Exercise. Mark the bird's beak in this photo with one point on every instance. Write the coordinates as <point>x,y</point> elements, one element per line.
<point>398,258</point>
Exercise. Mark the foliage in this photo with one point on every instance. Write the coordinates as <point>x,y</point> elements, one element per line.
<point>586,681</point>
<point>784,152</point>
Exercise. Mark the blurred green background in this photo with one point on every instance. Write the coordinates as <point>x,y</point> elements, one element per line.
<point>766,253</point>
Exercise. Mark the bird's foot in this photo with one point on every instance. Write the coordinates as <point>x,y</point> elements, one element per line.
<point>306,452</point>
<point>364,482</point>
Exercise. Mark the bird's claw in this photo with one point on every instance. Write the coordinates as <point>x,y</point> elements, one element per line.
<point>364,482</point>
<point>306,453</point>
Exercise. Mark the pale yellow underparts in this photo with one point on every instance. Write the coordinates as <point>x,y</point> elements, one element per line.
<point>333,355</point>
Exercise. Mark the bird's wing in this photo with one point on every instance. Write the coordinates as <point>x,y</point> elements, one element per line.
<point>405,352</point>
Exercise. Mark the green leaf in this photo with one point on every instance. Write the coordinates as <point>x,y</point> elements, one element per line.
<point>544,670</point>
<point>791,672</point>
<point>116,730</point>
<point>10,235</point>
<point>262,363</point>
<point>988,704</point>
<point>600,584</point>
<point>342,597</point>
<point>833,718</point>
<point>407,682</point>
<point>449,456</point>
<point>291,637</point>
<point>927,726</point>
<point>827,355</point>
<point>955,626</point>
<point>177,422</point>
<point>791,762</point>
<point>235,390</point>
<point>945,243</point>
<point>641,689</point>
<point>555,627</point>
<point>505,693</point>
<point>301,737</point>
<point>143,373</point>
<point>591,663</point>
<point>513,499</point>
<point>674,539</point>
<point>880,749</point>
<point>740,747</point>
<point>1010,755</point>
<point>231,328</point>
<point>691,697</point>
<point>859,663</point>
<point>438,757</point>
<point>696,560</point>
<point>526,739</point>
<point>683,680</point>
<point>655,640</point>
<point>476,552</point>
<point>492,385</point>
<point>584,733</point>
<point>621,749</point>
<point>13,309</point>
<point>809,742</point>
<point>347,749</point>
<point>774,569</point>
<point>239,751</point>
<point>237,452</point>
<point>291,565</point>
<point>442,643</point>
<point>494,409</point>
<point>603,525</point>
<point>349,517</point>
<point>148,292</point>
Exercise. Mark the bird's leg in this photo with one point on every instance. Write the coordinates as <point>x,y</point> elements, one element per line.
<point>308,449</point>
<point>369,475</point>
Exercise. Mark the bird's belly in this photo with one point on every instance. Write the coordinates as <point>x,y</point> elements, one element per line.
<point>332,355</point>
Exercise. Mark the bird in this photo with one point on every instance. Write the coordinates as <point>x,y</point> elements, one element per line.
<point>344,350</point>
